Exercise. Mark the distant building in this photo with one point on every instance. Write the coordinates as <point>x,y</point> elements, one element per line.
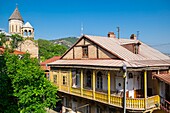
<point>91,78</point>
<point>17,26</point>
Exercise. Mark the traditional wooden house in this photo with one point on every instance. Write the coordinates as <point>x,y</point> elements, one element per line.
<point>91,78</point>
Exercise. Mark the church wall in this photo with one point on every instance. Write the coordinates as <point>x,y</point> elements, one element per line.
<point>30,47</point>
<point>12,26</point>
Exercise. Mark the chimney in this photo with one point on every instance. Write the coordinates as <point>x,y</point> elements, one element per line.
<point>133,37</point>
<point>111,35</point>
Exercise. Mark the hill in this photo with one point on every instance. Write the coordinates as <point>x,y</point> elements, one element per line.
<point>68,41</point>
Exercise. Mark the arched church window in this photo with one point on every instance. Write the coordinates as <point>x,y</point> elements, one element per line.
<point>25,33</point>
<point>12,28</point>
<point>16,28</point>
<point>29,33</point>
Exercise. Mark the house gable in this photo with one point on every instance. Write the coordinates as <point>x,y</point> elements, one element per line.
<point>93,50</point>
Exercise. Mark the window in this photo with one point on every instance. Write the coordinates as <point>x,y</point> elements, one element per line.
<point>25,33</point>
<point>130,75</point>
<point>136,48</point>
<point>64,80</point>
<point>98,109</point>
<point>55,78</point>
<point>16,28</point>
<point>88,79</point>
<point>87,109</point>
<point>99,80</point>
<point>12,28</point>
<point>76,78</point>
<point>85,51</point>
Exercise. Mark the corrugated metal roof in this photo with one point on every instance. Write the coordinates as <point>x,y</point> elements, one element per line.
<point>114,46</point>
<point>163,77</point>
<point>147,56</point>
<point>105,63</point>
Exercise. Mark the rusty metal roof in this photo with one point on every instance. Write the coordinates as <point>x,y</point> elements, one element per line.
<point>163,77</point>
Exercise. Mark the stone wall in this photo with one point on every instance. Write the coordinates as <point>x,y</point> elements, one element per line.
<point>29,46</point>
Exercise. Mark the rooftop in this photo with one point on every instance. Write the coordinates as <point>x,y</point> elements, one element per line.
<point>16,15</point>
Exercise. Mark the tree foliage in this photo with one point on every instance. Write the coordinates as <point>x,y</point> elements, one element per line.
<point>47,49</point>
<point>23,87</point>
<point>2,39</point>
<point>15,40</point>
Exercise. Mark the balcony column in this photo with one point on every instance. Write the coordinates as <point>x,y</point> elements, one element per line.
<point>81,79</point>
<point>94,83</point>
<point>60,80</point>
<point>108,81</point>
<point>145,88</point>
<point>70,80</point>
<point>125,86</point>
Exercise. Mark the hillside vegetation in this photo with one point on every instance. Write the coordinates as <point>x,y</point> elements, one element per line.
<point>58,47</point>
<point>68,42</point>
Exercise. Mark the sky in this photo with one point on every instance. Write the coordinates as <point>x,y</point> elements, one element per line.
<point>54,19</point>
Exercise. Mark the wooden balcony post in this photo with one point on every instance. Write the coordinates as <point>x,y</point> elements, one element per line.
<point>108,81</point>
<point>81,79</point>
<point>60,80</point>
<point>125,86</point>
<point>145,88</point>
<point>70,80</point>
<point>94,83</point>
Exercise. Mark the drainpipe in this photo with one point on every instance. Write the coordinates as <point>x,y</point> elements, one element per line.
<point>125,85</point>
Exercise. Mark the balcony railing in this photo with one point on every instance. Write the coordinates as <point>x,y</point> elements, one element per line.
<point>133,103</point>
<point>116,100</point>
<point>165,105</point>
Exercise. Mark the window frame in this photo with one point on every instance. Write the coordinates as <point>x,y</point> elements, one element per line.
<point>84,51</point>
<point>99,80</point>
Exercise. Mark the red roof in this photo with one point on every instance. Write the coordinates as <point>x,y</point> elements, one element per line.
<point>43,64</point>
<point>2,49</point>
<point>163,77</point>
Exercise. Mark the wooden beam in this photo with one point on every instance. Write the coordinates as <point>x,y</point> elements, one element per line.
<point>145,88</point>
<point>108,81</point>
<point>70,81</point>
<point>94,83</point>
<point>60,80</point>
<point>81,82</point>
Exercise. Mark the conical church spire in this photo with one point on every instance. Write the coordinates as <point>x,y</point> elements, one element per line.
<point>16,15</point>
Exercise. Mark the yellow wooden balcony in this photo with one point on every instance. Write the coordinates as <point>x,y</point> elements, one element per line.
<point>87,93</point>
<point>131,103</point>
<point>135,103</point>
<point>152,101</point>
<point>76,91</point>
<point>64,88</point>
<point>100,96</point>
<point>116,100</point>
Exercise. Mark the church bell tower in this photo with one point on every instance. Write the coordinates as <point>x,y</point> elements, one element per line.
<point>15,22</point>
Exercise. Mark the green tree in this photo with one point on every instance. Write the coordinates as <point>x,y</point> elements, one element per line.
<point>15,40</point>
<point>24,82</point>
<point>2,39</point>
<point>48,49</point>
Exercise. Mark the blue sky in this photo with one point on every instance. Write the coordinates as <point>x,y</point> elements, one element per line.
<point>53,19</point>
